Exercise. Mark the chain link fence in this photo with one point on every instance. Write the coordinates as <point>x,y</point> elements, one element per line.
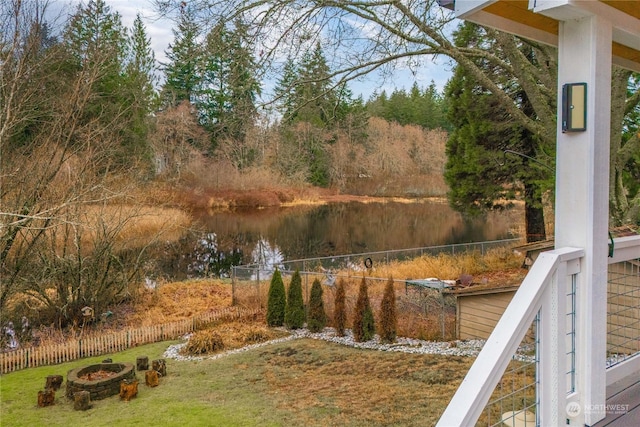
<point>250,283</point>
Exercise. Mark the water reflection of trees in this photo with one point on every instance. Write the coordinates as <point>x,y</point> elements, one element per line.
<point>344,228</point>
<point>270,236</point>
<point>267,258</point>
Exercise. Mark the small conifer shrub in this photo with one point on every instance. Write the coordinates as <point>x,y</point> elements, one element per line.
<point>339,310</point>
<point>388,319</point>
<point>294,316</point>
<point>276,302</point>
<point>317,318</point>
<point>363,322</point>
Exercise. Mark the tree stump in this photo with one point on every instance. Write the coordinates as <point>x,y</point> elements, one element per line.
<point>142,363</point>
<point>46,397</point>
<point>151,378</point>
<point>81,400</point>
<point>160,366</point>
<point>53,382</point>
<point>128,389</point>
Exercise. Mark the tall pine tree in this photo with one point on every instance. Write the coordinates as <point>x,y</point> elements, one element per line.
<point>480,174</point>
<point>98,43</point>
<point>181,73</point>
<point>140,79</point>
<point>228,88</point>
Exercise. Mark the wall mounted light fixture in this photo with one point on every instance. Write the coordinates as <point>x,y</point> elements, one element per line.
<point>574,107</point>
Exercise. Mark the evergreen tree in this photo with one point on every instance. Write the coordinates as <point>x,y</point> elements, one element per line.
<point>285,91</point>
<point>315,98</point>
<point>313,108</point>
<point>98,43</point>
<point>363,321</point>
<point>140,76</point>
<point>142,65</point>
<point>181,77</point>
<point>227,91</point>
<point>294,316</point>
<point>276,302</point>
<point>339,310</point>
<point>244,86</point>
<point>95,35</point>
<point>211,94</point>
<point>479,173</point>
<point>426,108</point>
<point>388,320</point>
<point>317,317</point>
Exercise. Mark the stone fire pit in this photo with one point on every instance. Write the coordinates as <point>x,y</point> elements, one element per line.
<point>101,380</point>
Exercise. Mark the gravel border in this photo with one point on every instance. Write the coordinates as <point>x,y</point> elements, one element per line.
<point>468,348</point>
<point>404,345</point>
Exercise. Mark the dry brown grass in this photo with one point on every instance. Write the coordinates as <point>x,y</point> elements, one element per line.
<point>316,380</point>
<point>140,224</point>
<point>451,267</point>
<point>179,300</point>
<point>225,336</point>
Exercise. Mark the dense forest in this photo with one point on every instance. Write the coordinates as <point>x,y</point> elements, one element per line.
<point>90,120</point>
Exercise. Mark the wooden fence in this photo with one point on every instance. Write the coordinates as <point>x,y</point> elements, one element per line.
<point>95,345</point>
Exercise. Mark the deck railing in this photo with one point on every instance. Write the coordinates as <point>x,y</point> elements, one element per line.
<point>549,294</point>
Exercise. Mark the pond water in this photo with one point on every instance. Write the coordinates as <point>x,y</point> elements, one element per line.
<point>239,237</point>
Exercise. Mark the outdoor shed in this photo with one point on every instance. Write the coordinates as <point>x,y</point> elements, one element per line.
<point>478,309</point>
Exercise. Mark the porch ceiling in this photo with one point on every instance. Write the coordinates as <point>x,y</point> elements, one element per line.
<point>515,16</point>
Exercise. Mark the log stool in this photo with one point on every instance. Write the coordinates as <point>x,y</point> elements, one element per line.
<point>81,400</point>
<point>46,397</point>
<point>128,389</point>
<point>151,378</point>
<point>142,363</point>
<point>53,382</point>
<point>160,366</point>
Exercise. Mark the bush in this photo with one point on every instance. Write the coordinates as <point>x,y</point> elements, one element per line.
<point>203,342</point>
<point>363,322</point>
<point>276,301</point>
<point>255,334</point>
<point>388,320</point>
<point>317,317</point>
<point>339,311</point>
<point>294,316</point>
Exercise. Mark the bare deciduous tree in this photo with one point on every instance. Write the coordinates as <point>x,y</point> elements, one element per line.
<point>56,169</point>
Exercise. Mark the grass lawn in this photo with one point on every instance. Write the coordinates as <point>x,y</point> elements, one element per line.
<point>300,382</point>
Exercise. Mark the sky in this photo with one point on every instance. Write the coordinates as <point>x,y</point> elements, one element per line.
<point>160,33</point>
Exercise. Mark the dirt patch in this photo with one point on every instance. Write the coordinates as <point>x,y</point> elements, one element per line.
<point>98,375</point>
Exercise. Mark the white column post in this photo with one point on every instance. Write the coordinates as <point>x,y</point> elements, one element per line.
<point>582,199</point>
